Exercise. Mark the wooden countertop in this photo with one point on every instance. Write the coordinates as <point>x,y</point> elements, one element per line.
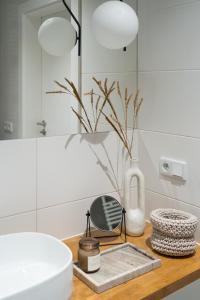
<point>173,274</point>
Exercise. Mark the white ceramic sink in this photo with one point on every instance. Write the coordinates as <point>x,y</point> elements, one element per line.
<point>34,266</point>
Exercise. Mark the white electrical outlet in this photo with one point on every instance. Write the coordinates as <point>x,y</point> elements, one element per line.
<point>8,127</point>
<point>173,168</point>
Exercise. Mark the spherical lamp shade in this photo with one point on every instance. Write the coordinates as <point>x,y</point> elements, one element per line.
<point>115,24</point>
<point>57,36</point>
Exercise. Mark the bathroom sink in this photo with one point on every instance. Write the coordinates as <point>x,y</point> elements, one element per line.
<point>34,266</point>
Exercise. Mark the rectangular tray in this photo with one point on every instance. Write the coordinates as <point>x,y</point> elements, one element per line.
<point>118,265</point>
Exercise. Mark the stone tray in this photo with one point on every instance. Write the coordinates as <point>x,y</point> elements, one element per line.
<point>118,265</point>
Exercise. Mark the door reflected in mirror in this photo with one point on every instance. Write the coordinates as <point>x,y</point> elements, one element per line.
<point>27,72</point>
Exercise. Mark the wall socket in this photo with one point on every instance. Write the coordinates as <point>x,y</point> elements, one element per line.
<point>8,127</point>
<point>173,168</point>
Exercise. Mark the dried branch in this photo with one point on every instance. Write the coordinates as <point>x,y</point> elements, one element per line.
<point>57,92</point>
<point>80,119</point>
<point>92,105</point>
<point>114,127</point>
<point>62,86</point>
<point>138,107</point>
<point>118,90</point>
<point>117,125</point>
<point>98,101</point>
<point>106,93</point>
<point>135,101</point>
<point>77,96</point>
<point>126,95</point>
<point>118,133</point>
<point>129,99</point>
<point>97,104</point>
<point>120,96</point>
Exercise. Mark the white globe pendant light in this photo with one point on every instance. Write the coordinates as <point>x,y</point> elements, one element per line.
<point>115,24</point>
<point>57,36</point>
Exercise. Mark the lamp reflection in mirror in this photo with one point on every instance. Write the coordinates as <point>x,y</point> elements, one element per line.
<point>57,36</point>
<point>115,24</point>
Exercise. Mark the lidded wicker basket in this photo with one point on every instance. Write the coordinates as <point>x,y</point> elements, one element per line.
<point>173,232</point>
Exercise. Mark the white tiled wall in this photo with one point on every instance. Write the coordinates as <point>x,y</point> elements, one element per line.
<point>70,172</point>
<point>18,177</point>
<point>18,223</point>
<point>169,78</point>
<point>66,219</point>
<point>47,184</point>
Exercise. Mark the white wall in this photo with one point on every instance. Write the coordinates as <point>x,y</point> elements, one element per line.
<point>47,184</point>
<point>169,78</point>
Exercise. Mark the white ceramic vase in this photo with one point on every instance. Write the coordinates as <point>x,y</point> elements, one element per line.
<point>135,218</point>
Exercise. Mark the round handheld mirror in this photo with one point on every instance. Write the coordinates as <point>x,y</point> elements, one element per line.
<point>106,213</point>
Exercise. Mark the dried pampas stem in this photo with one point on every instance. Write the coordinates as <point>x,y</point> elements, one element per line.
<point>98,102</point>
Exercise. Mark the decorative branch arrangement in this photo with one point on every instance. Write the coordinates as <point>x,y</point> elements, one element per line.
<point>97,104</point>
<point>131,105</point>
<point>71,90</point>
<point>98,101</point>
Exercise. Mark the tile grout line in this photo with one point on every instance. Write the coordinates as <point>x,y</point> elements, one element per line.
<point>168,70</point>
<point>52,206</point>
<point>18,214</point>
<point>172,198</point>
<point>185,3</point>
<point>110,73</point>
<point>168,133</point>
<point>59,204</point>
<point>81,199</point>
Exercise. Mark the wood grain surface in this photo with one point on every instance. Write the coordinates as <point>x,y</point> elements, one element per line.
<point>173,274</point>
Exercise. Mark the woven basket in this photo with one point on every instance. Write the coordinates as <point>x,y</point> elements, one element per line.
<point>173,232</point>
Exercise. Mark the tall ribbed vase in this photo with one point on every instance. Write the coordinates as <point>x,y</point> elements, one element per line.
<point>135,218</point>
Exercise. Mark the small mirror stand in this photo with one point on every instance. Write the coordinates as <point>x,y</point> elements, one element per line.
<point>120,229</point>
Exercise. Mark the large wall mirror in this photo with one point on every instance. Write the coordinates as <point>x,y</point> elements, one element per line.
<point>28,72</point>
